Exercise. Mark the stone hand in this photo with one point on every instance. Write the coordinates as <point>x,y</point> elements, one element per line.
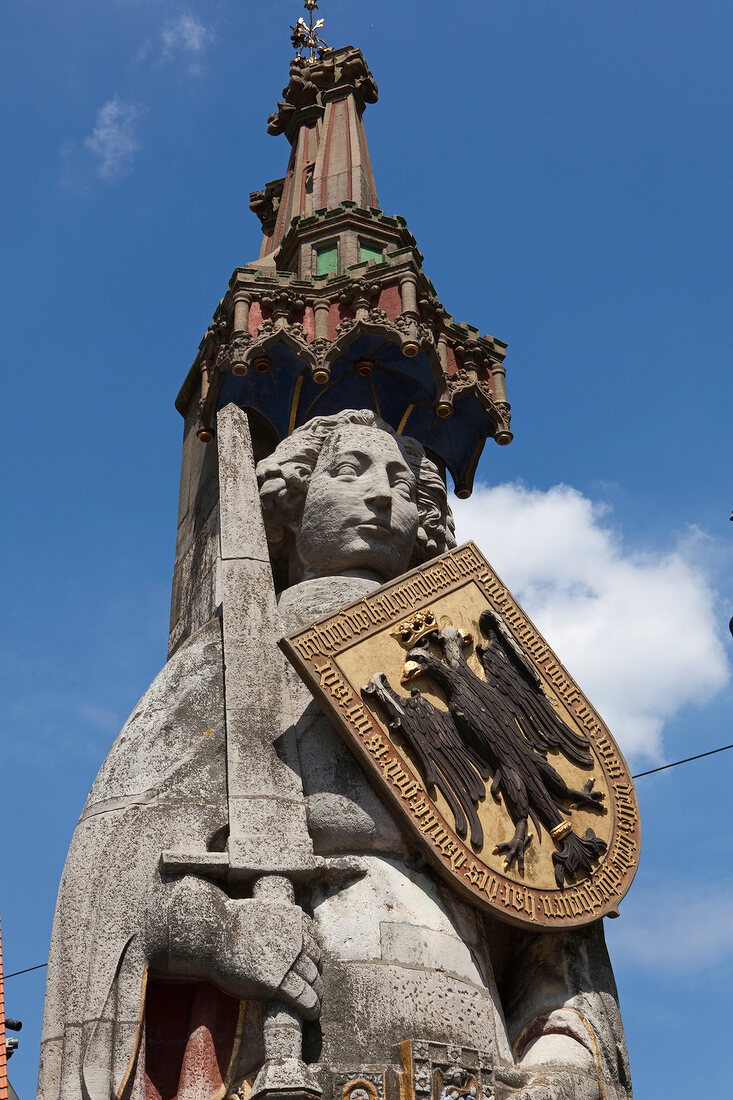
<point>302,986</point>
<point>251,949</point>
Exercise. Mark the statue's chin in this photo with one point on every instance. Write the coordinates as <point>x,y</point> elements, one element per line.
<point>380,562</point>
<point>308,573</point>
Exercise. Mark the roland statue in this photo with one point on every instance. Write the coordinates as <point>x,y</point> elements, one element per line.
<point>187,979</point>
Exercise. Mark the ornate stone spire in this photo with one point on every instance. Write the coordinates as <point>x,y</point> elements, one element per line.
<point>337,311</point>
<point>321,115</point>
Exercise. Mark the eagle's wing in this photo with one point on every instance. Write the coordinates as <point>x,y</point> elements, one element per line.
<point>514,679</point>
<point>445,762</point>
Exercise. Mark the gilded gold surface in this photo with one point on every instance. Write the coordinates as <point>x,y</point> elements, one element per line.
<point>383,653</point>
<point>411,630</point>
<point>338,656</point>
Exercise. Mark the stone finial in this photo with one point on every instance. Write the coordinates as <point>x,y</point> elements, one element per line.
<point>305,35</point>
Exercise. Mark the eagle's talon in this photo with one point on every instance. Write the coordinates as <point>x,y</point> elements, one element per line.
<point>514,849</point>
<point>587,799</point>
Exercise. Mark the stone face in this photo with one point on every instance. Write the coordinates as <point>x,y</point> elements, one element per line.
<point>346,495</point>
<point>360,511</point>
<point>231,838</point>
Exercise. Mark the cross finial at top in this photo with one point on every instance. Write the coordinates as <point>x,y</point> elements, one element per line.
<point>305,35</point>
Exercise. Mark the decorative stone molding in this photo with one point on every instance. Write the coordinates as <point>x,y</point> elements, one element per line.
<point>463,364</point>
<point>266,203</point>
<point>311,81</point>
<point>347,325</point>
<point>438,1071</point>
<point>422,1070</point>
<point>365,1086</point>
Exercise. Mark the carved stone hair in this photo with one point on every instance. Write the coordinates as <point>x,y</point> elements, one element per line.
<point>284,477</point>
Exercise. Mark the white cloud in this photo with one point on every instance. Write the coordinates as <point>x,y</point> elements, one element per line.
<point>101,718</point>
<point>186,36</point>
<point>662,932</point>
<point>638,631</point>
<point>114,141</point>
<point>144,51</point>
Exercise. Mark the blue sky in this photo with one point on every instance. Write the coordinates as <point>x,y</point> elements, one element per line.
<point>566,170</point>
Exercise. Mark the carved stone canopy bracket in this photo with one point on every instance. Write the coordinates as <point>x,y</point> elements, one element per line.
<point>266,203</point>
<point>311,80</point>
<point>476,366</point>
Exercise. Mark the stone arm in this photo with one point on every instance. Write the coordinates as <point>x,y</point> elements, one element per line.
<point>250,949</point>
<point>563,1020</point>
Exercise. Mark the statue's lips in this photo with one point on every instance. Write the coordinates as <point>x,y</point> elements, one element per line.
<point>375,527</point>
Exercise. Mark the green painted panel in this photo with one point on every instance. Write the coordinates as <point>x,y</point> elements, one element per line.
<point>327,260</point>
<point>366,252</point>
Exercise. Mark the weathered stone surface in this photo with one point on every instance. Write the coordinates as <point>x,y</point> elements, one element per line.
<point>194,597</point>
<point>228,756</point>
<point>303,602</point>
<point>241,533</point>
<point>562,977</point>
<point>162,786</point>
<point>163,782</point>
<point>267,815</point>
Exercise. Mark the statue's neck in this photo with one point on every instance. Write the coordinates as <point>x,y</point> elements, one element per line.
<point>303,603</point>
<point>358,574</point>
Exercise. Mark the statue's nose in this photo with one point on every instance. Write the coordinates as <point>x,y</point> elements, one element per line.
<point>378,491</point>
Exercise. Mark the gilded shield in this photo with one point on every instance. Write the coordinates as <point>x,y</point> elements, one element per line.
<point>480,740</point>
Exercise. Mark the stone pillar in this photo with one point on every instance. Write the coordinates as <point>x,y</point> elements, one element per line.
<point>443,353</point>
<point>321,309</point>
<point>410,319</point>
<point>242,302</point>
<point>361,307</point>
<point>408,292</point>
<point>498,375</point>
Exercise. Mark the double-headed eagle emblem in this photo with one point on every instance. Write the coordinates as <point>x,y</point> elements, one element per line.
<point>500,727</point>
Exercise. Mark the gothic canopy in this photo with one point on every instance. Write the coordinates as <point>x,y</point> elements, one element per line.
<point>337,311</point>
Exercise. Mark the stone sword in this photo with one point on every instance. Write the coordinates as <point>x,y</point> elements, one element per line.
<point>269,844</point>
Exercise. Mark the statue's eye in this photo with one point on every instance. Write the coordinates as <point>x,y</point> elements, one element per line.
<point>347,469</point>
<point>405,486</point>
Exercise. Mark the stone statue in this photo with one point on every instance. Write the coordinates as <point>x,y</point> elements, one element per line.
<point>163,974</point>
<point>346,496</point>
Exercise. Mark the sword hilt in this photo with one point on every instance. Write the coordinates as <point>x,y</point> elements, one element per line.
<point>284,1074</point>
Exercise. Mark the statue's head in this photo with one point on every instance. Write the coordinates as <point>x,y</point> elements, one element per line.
<point>346,494</point>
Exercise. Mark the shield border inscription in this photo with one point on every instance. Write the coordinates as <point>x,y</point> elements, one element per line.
<point>312,652</point>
